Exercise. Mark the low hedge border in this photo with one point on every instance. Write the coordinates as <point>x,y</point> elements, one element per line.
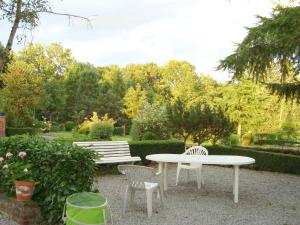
<point>268,161</point>
<point>11,131</point>
<point>144,148</point>
<point>283,150</point>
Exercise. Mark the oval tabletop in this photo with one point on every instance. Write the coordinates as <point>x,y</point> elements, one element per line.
<point>203,159</point>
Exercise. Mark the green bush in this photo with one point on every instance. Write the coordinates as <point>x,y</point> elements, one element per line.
<point>277,142</point>
<point>271,149</point>
<point>84,128</point>
<point>101,130</point>
<point>268,161</point>
<point>135,132</point>
<point>119,131</point>
<point>144,148</point>
<point>150,119</point>
<point>150,136</point>
<point>232,140</point>
<point>62,127</point>
<point>266,136</point>
<point>55,128</point>
<point>51,166</point>
<point>69,125</point>
<point>11,131</point>
<point>247,139</point>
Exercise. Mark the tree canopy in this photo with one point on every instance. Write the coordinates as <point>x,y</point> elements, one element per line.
<point>23,14</point>
<point>274,42</point>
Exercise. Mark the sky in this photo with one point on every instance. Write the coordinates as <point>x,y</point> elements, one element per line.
<point>141,31</point>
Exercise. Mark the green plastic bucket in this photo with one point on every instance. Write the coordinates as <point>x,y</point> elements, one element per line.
<point>86,208</point>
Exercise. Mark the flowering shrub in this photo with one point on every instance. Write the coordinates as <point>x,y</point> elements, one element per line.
<point>16,167</point>
<point>59,170</point>
<point>98,127</point>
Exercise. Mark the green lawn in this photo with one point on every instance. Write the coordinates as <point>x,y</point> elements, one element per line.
<point>70,136</point>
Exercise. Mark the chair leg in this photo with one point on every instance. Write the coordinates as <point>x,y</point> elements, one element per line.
<point>177,174</point>
<point>198,175</point>
<point>128,189</point>
<point>187,175</point>
<point>202,177</point>
<point>149,202</point>
<point>159,190</point>
<point>132,195</point>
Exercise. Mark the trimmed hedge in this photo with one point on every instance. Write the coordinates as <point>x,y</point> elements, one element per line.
<point>144,148</point>
<point>277,142</point>
<point>283,150</point>
<point>10,131</point>
<point>120,131</point>
<point>268,161</point>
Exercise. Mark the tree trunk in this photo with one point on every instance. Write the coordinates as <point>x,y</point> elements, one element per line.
<point>239,129</point>
<point>281,112</point>
<point>5,54</point>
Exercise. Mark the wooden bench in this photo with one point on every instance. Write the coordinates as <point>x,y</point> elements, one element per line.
<point>110,151</point>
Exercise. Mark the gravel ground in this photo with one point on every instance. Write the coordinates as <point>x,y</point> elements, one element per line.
<point>5,221</point>
<point>265,199</point>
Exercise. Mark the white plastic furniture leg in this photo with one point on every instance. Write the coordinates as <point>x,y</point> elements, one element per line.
<point>149,201</point>
<point>165,176</point>
<point>198,174</point>
<point>128,189</point>
<point>236,184</point>
<point>177,175</point>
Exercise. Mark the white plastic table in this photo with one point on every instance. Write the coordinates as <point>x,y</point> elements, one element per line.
<point>235,161</point>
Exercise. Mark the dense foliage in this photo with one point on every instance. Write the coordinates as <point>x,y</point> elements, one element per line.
<point>198,121</point>
<point>51,164</point>
<point>274,41</point>
<point>98,127</point>
<point>150,124</point>
<point>61,93</point>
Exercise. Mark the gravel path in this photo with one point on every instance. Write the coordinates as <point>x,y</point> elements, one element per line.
<point>5,221</point>
<point>265,199</point>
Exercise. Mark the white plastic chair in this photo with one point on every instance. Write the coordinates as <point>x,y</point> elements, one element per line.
<point>195,150</point>
<point>140,178</point>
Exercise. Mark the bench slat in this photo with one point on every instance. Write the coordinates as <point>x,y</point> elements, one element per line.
<point>110,152</point>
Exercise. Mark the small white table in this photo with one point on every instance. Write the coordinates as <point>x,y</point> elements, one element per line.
<point>235,161</point>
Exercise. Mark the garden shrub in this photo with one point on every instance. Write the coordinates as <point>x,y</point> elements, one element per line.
<point>69,125</point>
<point>52,163</point>
<point>144,148</point>
<point>102,126</point>
<point>268,161</point>
<point>119,131</point>
<point>62,127</point>
<point>272,149</point>
<point>150,136</point>
<point>265,136</point>
<point>247,139</point>
<point>135,132</point>
<point>101,130</point>
<point>55,128</point>
<point>232,140</point>
<point>84,128</point>
<point>150,119</point>
<point>11,131</point>
<point>277,142</point>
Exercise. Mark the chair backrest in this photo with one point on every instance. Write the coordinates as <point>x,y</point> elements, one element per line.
<point>137,175</point>
<point>196,150</point>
